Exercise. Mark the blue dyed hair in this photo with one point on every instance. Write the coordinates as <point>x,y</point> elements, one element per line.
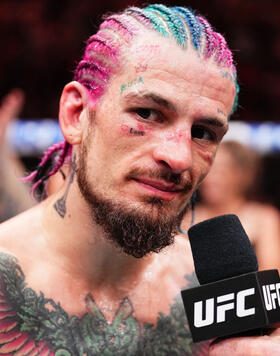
<point>101,57</point>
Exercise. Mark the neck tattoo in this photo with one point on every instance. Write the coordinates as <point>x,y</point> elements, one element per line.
<point>60,204</point>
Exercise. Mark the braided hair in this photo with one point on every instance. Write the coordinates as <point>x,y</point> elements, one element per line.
<point>103,51</point>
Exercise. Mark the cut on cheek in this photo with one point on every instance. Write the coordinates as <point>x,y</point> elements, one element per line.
<point>176,136</point>
<point>208,157</point>
<point>144,128</point>
<point>125,129</point>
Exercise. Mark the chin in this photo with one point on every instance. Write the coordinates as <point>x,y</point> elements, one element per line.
<point>137,227</point>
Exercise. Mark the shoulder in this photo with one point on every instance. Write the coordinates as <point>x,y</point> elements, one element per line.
<point>261,213</point>
<point>20,232</point>
<point>260,207</point>
<point>262,223</point>
<point>17,314</point>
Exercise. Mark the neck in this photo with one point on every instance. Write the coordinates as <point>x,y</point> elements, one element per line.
<point>82,248</point>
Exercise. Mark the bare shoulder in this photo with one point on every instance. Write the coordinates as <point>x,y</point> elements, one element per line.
<point>262,212</point>
<point>257,206</point>
<point>19,232</point>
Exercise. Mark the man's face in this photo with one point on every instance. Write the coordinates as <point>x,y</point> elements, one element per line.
<point>152,138</point>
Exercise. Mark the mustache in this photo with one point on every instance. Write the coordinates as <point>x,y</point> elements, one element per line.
<point>164,175</point>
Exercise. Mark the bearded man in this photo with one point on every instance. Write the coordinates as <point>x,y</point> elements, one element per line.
<point>97,268</point>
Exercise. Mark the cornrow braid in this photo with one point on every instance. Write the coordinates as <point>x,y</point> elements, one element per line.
<point>237,89</point>
<point>42,172</point>
<point>102,57</point>
<point>91,72</point>
<point>211,43</point>
<point>148,19</point>
<point>223,55</point>
<point>99,70</point>
<point>216,44</point>
<point>119,23</point>
<point>173,21</point>
<point>193,24</point>
<point>102,45</point>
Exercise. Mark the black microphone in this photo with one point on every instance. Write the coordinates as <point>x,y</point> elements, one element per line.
<point>234,298</point>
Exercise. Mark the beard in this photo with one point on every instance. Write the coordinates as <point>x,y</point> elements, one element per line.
<point>135,231</point>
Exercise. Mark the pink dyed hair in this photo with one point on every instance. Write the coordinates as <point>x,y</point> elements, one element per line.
<point>101,57</point>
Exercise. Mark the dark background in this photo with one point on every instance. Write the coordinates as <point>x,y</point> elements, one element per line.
<point>41,40</point>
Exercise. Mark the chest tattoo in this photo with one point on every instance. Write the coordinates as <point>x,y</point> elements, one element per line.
<point>31,324</point>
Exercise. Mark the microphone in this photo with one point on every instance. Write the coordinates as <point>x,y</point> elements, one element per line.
<point>234,297</point>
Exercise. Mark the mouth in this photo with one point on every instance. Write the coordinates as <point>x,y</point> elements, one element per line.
<point>159,189</point>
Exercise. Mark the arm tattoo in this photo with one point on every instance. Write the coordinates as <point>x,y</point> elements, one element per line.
<point>60,204</point>
<point>31,324</point>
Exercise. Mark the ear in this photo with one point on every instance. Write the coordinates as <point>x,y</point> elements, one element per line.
<point>72,108</point>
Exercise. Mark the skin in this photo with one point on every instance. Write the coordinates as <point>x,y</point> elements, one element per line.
<point>253,346</point>
<point>181,134</point>
<point>223,193</point>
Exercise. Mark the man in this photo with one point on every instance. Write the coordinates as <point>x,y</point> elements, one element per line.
<point>94,269</point>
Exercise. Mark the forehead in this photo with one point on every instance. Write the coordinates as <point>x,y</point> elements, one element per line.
<point>182,75</point>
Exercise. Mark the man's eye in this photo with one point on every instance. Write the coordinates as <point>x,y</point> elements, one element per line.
<point>202,133</point>
<point>144,113</point>
<point>148,114</point>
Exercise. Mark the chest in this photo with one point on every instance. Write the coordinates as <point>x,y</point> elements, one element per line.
<point>32,323</point>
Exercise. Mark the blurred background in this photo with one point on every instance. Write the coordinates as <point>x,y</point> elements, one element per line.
<point>41,41</point>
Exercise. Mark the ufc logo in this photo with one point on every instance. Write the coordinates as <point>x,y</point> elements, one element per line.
<point>204,312</point>
<point>271,294</point>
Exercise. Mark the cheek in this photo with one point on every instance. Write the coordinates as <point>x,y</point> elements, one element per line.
<point>135,130</point>
<point>124,129</point>
<point>209,158</point>
<point>205,161</point>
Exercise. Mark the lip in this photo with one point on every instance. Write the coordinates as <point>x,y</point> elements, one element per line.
<point>159,189</point>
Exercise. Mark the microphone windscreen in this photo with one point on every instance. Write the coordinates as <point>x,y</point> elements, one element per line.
<point>221,249</point>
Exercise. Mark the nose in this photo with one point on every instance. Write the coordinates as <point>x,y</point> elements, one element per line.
<point>174,153</point>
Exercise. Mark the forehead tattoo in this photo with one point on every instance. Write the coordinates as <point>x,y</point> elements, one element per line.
<point>103,53</point>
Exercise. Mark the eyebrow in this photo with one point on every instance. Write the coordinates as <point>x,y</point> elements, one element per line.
<point>161,101</point>
<point>213,122</point>
<point>155,98</point>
